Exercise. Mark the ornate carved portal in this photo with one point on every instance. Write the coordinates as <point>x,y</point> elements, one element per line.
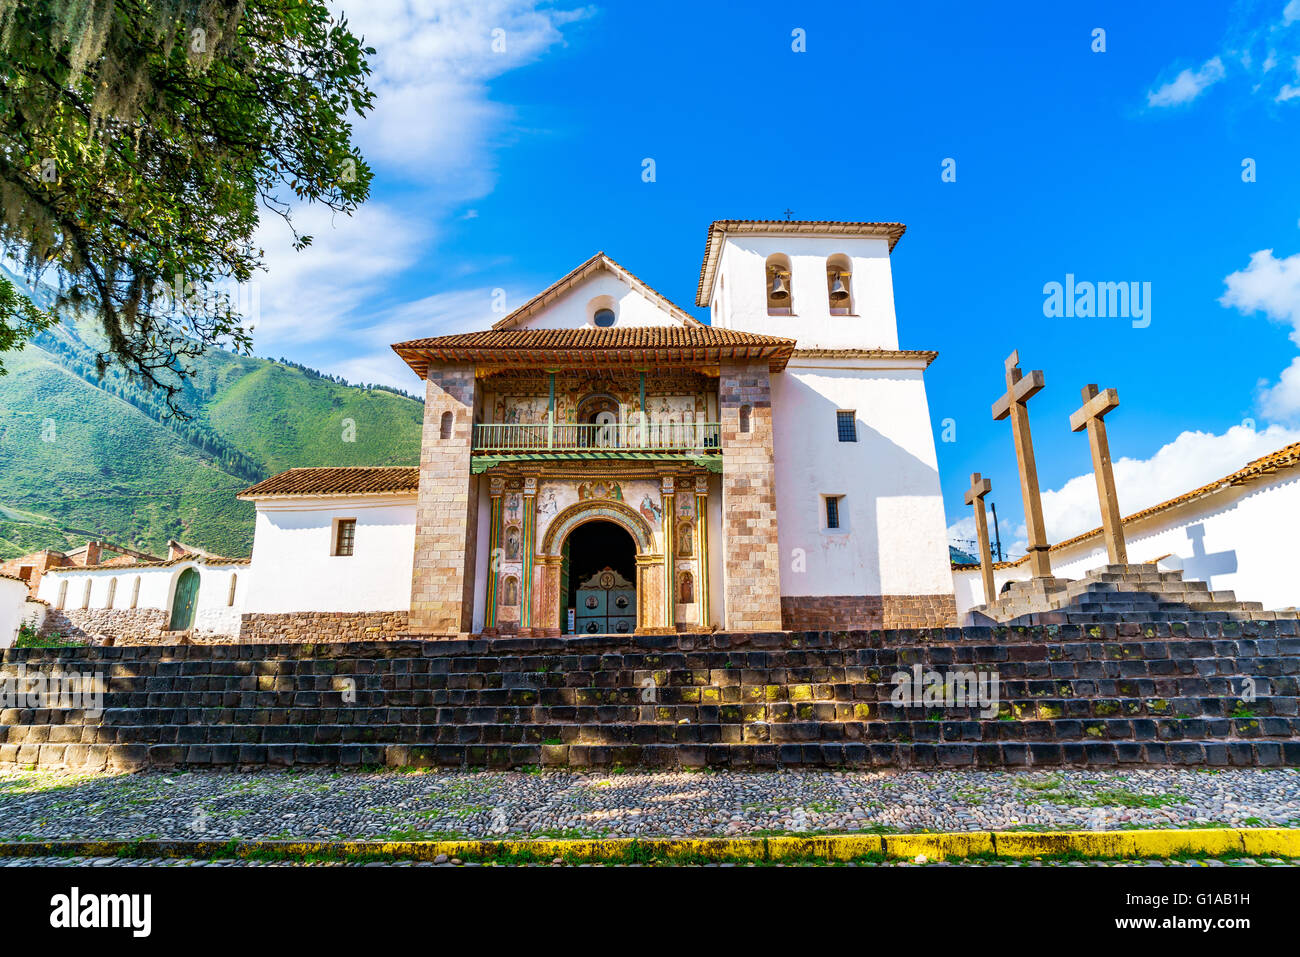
<point>650,567</point>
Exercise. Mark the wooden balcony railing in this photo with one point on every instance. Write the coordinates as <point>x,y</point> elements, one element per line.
<point>681,437</point>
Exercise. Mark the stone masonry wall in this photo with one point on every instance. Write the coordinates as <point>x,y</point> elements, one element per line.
<point>314,626</point>
<point>838,612</point>
<point>919,611</point>
<point>446,517</point>
<point>136,626</point>
<point>1102,695</point>
<point>749,544</point>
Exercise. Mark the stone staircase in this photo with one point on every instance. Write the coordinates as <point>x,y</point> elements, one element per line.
<point>1121,593</point>
<point>1202,693</point>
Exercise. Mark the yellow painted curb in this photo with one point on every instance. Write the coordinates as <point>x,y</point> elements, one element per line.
<point>939,847</point>
<point>1271,842</point>
<point>1209,842</point>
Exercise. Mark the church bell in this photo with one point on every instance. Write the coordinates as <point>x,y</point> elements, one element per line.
<point>839,294</point>
<point>779,290</point>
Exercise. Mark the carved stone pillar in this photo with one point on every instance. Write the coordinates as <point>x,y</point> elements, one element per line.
<point>546,613</point>
<point>530,550</point>
<point>702,549</point>
<point>668,490</point>
<point>496,485</point>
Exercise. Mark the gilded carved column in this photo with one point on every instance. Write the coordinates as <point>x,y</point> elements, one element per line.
<point>496,485</point>
<point>702,548</point>
<point>668,490</point>
<point>546,616</point>
<point>530,550</point>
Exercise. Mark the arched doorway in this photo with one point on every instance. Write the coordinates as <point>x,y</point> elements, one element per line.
<point>598,579</point>
<point>184,600</point>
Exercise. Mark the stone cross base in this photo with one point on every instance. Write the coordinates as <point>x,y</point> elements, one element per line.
<point>1024,598</point>
<point>1119,593</point>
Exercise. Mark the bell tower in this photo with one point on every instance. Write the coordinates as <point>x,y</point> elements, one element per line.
<point>827,285</point>
<point>840,444</point>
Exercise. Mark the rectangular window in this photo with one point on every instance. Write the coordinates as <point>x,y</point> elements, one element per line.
<point>832,511</point>
<point>345,533</point>
<point>847,424</point>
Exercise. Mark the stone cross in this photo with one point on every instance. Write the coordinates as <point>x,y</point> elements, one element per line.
<point>1092,417</point>
<point>979,487</point>
<point>1020,389</point>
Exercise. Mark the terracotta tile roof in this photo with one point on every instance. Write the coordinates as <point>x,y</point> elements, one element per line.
<point>587,347</point>
<point>160,563</point>
<point>595,264</point>
<point>802,227</point>
<point>1279,461</point>
<point>342,480</point>
<point>925,355</point>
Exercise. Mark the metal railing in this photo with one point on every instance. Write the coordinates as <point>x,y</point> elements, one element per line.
<point>650,436</point>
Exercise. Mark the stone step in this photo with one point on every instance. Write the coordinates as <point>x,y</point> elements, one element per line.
<point>936,729</point>
<point>1040,700</point>
<point>1076,753</point>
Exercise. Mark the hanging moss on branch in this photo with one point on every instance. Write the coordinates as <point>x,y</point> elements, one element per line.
<point>139,144</point>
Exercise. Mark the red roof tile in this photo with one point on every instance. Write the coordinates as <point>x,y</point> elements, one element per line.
<point>343,480</point>
<point>587,346</point>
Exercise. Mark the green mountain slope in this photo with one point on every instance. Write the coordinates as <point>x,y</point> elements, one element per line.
<point>81,457</point>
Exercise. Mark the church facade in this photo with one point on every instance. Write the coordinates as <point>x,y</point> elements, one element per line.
<point>774,468</point>
<point>601,461</point>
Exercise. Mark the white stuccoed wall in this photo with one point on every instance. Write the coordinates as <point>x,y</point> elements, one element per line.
<point>293,570</point>
<point>895,542</point>
<point>13,598</point>
<point>895,539</point>
<point>740,291</point>
<point>1235,540</point>
<point>214,612</point>
<point>574,309</point>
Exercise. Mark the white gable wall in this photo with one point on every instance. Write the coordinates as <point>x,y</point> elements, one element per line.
<point>294,570</point>
<point>92,589</point>
<point>574,309</point>
<point>13,600</point>
<point>740,291</point>
<point>894,539</point>
<point>1233,540</point>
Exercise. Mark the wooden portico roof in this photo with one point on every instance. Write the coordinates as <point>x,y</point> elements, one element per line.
<point>587,348</point>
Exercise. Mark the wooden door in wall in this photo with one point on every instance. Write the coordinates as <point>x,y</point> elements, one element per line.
<point>184,601</point>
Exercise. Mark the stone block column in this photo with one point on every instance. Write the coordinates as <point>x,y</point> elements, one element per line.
<point>446,513</point>
<point>750,552</point>
<point>496,487</point>
<point>529,583</point>
<point>702,548</point>
<point>668,493</point>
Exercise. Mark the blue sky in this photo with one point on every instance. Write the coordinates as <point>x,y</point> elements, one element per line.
<point>505,169</point>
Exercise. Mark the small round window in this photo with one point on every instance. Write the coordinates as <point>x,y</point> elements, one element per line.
<point>603,318</point>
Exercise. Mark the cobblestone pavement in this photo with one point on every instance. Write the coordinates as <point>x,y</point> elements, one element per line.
<point>193,862</point>
<point>428,805</point>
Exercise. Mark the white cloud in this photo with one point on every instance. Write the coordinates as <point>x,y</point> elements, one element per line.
<point>1271,286</point>
<point>1255,46</point>
<point>438,315</point>
<point>312,294</point>
<point>433,134</point>
<point>1188,84</point>
<point>433,116</point>
<point>1191,460</point>
<point>962,532</point>
<point>1282,400</point>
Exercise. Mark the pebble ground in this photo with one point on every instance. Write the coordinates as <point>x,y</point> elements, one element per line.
<point>431,805</point>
